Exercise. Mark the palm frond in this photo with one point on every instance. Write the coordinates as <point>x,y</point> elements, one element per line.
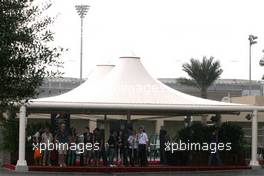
<point>203,73</point>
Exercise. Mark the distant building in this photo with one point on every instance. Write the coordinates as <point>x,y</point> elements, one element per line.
<point>57,86</point>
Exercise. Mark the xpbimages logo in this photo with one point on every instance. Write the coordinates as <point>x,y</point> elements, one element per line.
<point>192,146</point>
<point>79,148</point>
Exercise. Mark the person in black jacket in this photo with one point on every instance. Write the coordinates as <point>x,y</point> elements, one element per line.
<point>120,146</point>
<point>162,137</point>
<point>125,147</point>
<point>112,147</point>
<point>102,147</point>
<point>97,139</point>
<point>88,138</point>
<point>214,157</point>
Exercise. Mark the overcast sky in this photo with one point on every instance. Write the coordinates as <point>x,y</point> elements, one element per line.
<point>164,33</point>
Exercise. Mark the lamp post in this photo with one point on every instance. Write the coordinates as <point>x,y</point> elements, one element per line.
<point>82,11</point>
<point>261,62</point>
<point>252,40</point>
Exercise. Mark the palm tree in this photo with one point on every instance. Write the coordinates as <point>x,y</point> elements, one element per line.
<point>202,74</point>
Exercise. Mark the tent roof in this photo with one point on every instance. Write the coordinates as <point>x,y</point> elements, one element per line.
<point>129,87</point>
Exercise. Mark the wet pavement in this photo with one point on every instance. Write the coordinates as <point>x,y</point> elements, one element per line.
<point>256,172</point>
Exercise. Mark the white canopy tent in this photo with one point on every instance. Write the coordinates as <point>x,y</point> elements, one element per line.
<point>129,89</point>
<point>128,86</point>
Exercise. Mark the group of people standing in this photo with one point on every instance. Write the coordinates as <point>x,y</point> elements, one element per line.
<point>124,147</point>
<point>128,145</point>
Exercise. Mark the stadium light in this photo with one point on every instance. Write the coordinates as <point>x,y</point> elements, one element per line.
<point>252,40</point>
<point>82,11</point>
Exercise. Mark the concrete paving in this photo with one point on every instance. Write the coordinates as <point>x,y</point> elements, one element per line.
<point>259,172</point>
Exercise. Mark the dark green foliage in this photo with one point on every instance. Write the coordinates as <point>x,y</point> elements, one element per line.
<point>233,133</point>
<point>25,50</point>
<point>202,74</point>
<point>10,133</point>
<point>9,128</point>
<point>196,133</point>
<point>199,133</point>
<point>227,133</point>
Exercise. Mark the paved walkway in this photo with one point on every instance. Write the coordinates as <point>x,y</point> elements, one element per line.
<point>259,172</point>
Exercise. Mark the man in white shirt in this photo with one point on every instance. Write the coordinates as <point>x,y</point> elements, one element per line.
<point>142,146</point>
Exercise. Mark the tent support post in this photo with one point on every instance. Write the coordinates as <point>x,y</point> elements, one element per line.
<point>21,165</point>
<point>254,146</point>
<point>104,122</point>
<point>188,121</point>
<point>204,119</point>
<point>128,118</point>
<point>128,124</point>
<point>159,124</point>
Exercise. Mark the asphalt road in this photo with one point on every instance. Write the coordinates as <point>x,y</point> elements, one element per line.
<point>258,172</point>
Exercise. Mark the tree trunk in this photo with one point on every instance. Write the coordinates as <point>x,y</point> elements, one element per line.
<point>204,92</point>
<point>204,95</point>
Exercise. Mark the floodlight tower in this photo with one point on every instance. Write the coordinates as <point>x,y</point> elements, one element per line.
<point>252,40</point>
<point>82,11</point>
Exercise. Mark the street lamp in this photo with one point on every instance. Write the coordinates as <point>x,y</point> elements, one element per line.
<point>82,11</point>
<point>261,62</point>
<point>252,40</point>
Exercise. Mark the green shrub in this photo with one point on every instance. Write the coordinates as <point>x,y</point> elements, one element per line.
<point>227,133</point>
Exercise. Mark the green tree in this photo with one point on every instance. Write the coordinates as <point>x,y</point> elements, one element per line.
<point>10,133</point>
<point>227,133</point>
<point>202,74</point>
<point>26,51</point>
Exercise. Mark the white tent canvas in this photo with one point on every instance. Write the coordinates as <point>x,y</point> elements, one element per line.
<point>128,86</point>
